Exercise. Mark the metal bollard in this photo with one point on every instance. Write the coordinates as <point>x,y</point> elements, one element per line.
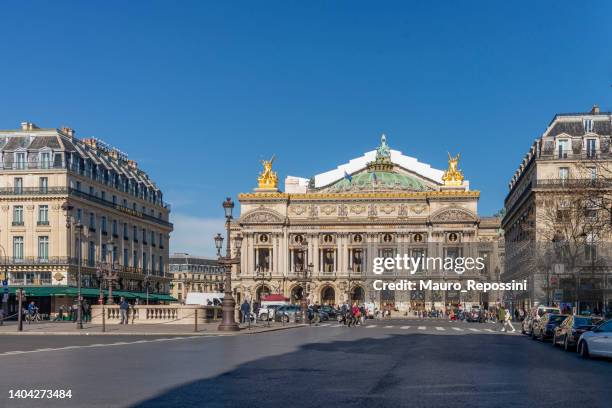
<point>196,321</point>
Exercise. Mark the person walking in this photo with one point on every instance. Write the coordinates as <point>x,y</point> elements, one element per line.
<point>508,321</point>
<point>124,306</point>
<point>86,310</point>
<point>501,317</point>
<point>245,308</point>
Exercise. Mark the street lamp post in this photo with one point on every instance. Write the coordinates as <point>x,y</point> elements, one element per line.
<point>79,233</point>
<point>229,304</point>
<point>305,277</point>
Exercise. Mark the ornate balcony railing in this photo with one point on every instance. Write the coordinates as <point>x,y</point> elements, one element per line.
<point>574,183</point>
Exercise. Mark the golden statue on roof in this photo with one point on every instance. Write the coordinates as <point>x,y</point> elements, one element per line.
<point>267,178</point>
<point>453,176</point>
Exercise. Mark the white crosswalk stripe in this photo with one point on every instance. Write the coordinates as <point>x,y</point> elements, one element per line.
<point>490,331</point>
<point>422,328</point>
<point>388,327</point>
<point>457,328</point>
<point>474,330</point>
<point>405,327</point>
<point>440,328</point>
<point>370,326</point>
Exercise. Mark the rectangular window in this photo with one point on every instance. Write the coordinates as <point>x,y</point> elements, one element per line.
<point>115,254</point>
<point>125,257</point>
<point>153,264</point>
<point>80,215</point>
<point>91,191</point>
<point>91,254</point>
<point>590,148</point>
<point>152,238</point>
<point>563,146</point>
<point>135,259</point>
<point>20,160</point>
<point>114,228</point>
<point>103,253</point>
<point>18,215</point>
<point>103,195</point>
<point>592,172</point>
<point>564,173</point>
<point>103,225</point>
<point>135,233</point>
<point>43,248</point>
<point>144,261</point>
<point>45,160</point>
<point>78,187</point>
<point>18,185</point>
<point>125,230</point>
<point>144,236</point>
<point>161,265</point>
<point>588,125</point>
<point>18,248</point>
<point>114,200</point>
<point>43,185</point>
<point>92,221</point>
<point>43,215</point>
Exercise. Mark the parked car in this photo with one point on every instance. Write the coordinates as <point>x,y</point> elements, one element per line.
<point>288,313</point>
<point>331,312</point>
<point>545,327</point>
<point>268,312</point>
<point>568,333</point>
<point>534,316</point>
<point>475,315</point>
<point>597,342</point>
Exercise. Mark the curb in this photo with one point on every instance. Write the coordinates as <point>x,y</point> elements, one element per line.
<point>178,334</point>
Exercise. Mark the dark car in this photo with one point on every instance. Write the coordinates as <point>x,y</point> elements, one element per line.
<point>568,332</point>
<point>544,328</point>
<point>331,312</point>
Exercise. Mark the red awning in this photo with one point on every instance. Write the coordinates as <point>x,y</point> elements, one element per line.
<point>275,298</point>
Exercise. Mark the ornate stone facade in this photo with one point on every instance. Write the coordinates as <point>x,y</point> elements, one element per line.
<point>333,225</point>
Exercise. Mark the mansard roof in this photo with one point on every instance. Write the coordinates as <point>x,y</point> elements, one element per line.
<point>34,139</point>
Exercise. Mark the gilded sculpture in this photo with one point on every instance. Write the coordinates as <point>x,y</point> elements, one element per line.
<point>453,176</point>
<point>267,178</point>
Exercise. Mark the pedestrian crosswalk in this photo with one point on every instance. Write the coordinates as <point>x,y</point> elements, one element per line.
<point>434,329</point>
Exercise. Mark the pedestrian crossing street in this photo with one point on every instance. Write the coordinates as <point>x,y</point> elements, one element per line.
<point>424,328</point>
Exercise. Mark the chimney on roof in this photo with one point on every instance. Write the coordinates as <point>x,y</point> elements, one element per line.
<point>28,126</point>
<point>595,110</point>
<point>68,132</point>
<point>132,164</point>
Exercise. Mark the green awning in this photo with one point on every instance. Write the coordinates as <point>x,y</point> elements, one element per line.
<point>44,291</point>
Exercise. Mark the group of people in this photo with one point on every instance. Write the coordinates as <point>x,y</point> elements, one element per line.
<point>352,315</point>
<point>72,311</point>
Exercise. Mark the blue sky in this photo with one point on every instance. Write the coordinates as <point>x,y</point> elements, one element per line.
<point>198,92</point>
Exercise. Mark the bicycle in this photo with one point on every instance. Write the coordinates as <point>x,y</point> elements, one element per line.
<point>33,317</point>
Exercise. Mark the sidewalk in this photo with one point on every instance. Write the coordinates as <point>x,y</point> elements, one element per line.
<point>70,329</point>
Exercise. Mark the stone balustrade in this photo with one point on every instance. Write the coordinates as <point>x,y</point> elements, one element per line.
<point>157,314</point>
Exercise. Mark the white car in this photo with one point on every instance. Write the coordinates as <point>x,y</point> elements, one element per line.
<point>597,342</point>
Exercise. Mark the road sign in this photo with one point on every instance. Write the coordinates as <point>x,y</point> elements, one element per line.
<point>5,288</point>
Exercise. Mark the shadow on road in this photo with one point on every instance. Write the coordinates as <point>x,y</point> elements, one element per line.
<point>406,370</point>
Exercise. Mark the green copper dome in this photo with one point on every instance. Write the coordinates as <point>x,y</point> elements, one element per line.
<point>378,181</point>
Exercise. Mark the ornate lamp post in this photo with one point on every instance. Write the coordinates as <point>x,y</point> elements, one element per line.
<point>79,233</point>
<point>304,279</point>
<point>229,304</point>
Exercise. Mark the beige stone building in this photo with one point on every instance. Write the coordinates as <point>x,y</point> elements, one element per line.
<point>572,157</point>
<point>195,274</point>
<point>319,236</point>
<point>49,177</point>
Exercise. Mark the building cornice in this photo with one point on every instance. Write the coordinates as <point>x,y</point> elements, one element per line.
<point>350,196</point>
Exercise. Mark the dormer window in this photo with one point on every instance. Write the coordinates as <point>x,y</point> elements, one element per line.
<point>590,148</point>
<point>588,125</point>
<point>45,160</point>
<point>563,148</point>
<point>20,160</point>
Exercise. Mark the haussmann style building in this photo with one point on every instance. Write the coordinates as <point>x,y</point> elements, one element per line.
<point>318,237</point>
<point>563,251</point>
<point>50,184</point>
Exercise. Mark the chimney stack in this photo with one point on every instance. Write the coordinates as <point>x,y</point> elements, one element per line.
<point>68,132</point>
<point>28,126</point>
<point>595,110</point>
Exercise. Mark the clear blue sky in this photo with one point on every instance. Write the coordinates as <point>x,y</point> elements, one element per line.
<point>198,92</point>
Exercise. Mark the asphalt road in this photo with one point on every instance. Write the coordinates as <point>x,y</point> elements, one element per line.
<point>391,363</point>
